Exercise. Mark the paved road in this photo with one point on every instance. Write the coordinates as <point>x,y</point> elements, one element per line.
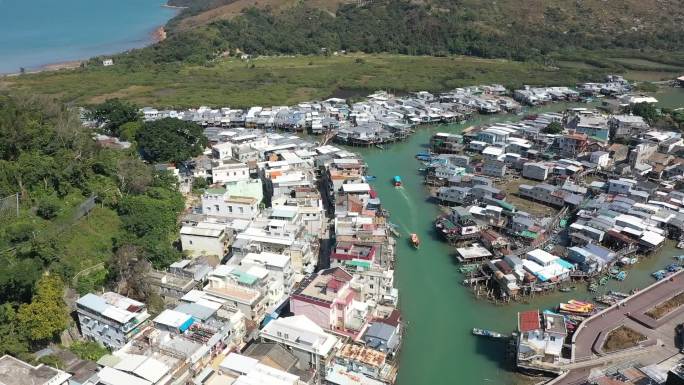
<point>616,315</point>
<point>590,330</point>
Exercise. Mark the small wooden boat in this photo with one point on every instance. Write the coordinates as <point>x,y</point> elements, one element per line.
<point>680,244</point>
<point>396,181</point>
<point>369,178</point>
<point>415,241</point>
<point>566,289</point>
<point>487,333</point>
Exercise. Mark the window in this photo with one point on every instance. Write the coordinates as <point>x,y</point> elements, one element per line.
<point>190,241</point>
<point>230,209</point>
<point>216,207</point>
<point>242,210</point>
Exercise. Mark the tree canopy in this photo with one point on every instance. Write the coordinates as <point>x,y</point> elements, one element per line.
<point>46,316</point>
<point>553,128</point>
<point>647,111</point>
<point>170,140</point>
<point>51,160</point>
<point>114,114</point>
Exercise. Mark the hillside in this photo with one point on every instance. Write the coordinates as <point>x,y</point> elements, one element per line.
<point>519,29</point>
<point>301,50</point>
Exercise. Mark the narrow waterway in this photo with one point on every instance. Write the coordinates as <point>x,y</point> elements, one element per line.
<point>439,311</point>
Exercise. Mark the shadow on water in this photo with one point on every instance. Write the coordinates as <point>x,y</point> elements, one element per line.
<point>453,257</point>
<point>494,350</point>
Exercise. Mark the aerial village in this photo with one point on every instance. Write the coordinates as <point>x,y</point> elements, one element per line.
<point>288,277</point>
<point>289,270</point>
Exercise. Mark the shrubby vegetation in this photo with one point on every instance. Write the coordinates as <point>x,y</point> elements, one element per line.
<point>170,140</point>
<point>88,350</point>
<point>52,162</point>
<point>435,28</point>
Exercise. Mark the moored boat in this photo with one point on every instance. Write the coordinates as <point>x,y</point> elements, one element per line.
<point>487,333</point>
<point>396,181</point>
<point>415,241</point>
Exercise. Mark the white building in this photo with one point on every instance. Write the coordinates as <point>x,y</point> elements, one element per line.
<point>110,319</point>
<point>229,171</point>
<point>205,238</point>
<point>243,370</point>
<point>308,341</point>
<point>536,171</point>
<point>279,265</point>
<point>538,344</point>
<point>14,371</point>
<point>600,158</point>
<point>218,203</point>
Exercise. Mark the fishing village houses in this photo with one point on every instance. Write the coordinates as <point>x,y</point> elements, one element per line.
<point>288,276</point>
<point>530,211</point>
<point>289,273</point>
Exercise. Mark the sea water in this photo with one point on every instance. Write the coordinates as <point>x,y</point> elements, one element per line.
<point>34,33</point>
<point>439,311</point>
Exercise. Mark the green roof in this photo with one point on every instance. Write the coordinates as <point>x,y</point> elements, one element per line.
<point>358,263</point>
<point>528,234</point>
<point>563,223</point>
<point>505,205</point>
<point>215,190</point>
<point>448,225</point>
<point>247,279</point>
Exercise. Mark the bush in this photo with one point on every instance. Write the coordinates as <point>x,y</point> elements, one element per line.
<point>48,208</point>
<point>88,350</point>
<point>19,232</point>
<point>91,282</point>
<point>52,360</point>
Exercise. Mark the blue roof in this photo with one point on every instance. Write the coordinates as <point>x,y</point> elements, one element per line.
<point>186,325</point>
<point>565,264</point>
<point>93,302</point>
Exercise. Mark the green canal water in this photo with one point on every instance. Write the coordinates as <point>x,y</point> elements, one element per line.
<point>439,311</point>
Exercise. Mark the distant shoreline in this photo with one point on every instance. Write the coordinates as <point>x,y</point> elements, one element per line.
<point>157,35</point>
<point>173,6</point>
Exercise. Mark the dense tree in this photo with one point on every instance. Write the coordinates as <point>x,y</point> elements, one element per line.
<point>553,128</point>
<point>51,160</point>
<point>11,341</point>
<point>647,111</point>
<point>46,316</point>
<point>134,175</point>
<point>48,207</point>
<point>18,278</point>
<point>113,114</point>
<point>88,350</point>
<point>127,131</point>
<point>170,140</point>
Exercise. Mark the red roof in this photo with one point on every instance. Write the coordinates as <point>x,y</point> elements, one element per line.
<point>528,321</point>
